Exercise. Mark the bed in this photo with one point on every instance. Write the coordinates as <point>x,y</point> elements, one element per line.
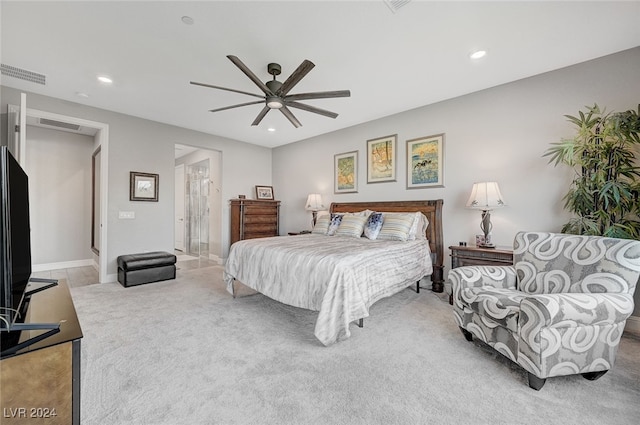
<point>340,277</point>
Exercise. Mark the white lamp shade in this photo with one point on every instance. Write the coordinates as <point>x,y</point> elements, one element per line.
<point>485,196</point>
<point>314,202</point>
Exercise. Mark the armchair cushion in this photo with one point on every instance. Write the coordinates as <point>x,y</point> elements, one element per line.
<point>564,310</point>
<point>499,304</point>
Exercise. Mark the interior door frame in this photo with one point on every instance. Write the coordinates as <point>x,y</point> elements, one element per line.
<point>102,141</point>
<point>179,191</point>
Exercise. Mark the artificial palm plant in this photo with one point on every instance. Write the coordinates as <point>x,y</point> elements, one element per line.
<point>604,193</point>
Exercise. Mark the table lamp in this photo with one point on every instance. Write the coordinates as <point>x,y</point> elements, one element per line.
<point>485,196</point>
<point>314,204</point>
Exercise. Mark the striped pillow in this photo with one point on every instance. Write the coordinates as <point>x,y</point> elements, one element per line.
<point>322,225</point>
<point>395,227</point>
<point>351,225</point>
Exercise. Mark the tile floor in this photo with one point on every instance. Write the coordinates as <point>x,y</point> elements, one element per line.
<point>81,276</point>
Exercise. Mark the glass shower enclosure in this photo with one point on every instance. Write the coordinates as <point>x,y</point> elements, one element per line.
<point>198,185</point>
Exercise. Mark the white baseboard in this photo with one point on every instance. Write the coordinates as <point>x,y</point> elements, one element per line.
<point>633,325</point>
<point>111,278</point>
<point>64,265</point>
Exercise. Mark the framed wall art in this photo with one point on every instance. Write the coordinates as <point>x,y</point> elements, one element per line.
<point>425,162</point>
<point>143,186</point>
<point>264,192</point>
<point>381,159</point>
<point>345,172</point>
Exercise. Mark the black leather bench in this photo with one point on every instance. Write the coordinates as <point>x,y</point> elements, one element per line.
<point>147,267</point>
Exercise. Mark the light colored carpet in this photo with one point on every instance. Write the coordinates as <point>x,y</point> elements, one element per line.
<point>185,352</point>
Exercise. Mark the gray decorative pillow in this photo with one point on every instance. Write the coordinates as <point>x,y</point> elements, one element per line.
<point>336,219</point>
<point>373,225</point>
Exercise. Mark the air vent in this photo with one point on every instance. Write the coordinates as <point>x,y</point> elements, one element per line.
<point>59,124</point>
<point>23,74</point>
<point>395,5</point>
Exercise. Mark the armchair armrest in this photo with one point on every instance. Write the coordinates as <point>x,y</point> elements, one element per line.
<point>503,277</point>
<point>574,309</point>
<point>474,276</point>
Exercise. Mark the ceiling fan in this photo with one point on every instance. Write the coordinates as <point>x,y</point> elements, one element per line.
<point>276,94</point>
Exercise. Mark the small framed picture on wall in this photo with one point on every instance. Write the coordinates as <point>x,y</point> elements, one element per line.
<point>143,187</point>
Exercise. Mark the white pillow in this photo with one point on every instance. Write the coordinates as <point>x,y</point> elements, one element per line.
<point>419,227</point>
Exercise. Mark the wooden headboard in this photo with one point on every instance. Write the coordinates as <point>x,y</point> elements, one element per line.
<point>432,209</point>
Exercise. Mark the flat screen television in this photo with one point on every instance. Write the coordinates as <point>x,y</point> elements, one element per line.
<point>15,243</point>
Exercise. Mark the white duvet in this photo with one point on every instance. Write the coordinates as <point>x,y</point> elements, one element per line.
<point>340,277</point>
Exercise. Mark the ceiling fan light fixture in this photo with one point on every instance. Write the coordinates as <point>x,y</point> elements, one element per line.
<point>276,94</point>
<point>274,102</point>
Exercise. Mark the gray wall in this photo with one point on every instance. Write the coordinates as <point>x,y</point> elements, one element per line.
<point>141,145</point>
<point>497,134</point>
<point>59,170</point>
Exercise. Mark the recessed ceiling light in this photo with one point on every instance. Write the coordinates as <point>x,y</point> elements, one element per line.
<point>271,129</point>
<point>82,94</point>
<point>104,79</point>
<point>187,20</point>
<point>478,54</point>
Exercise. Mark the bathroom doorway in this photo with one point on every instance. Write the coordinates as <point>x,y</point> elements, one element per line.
<point>198,203</point>
<point>198,208</point>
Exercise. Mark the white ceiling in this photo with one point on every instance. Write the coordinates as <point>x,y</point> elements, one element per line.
<point>391,62</point>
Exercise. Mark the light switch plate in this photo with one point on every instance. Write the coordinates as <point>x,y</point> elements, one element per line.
<point>126,215</point>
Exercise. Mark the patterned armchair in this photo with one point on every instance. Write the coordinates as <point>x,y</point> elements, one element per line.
<point>560,310</point>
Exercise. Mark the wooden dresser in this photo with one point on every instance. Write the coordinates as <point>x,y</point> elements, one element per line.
<point>254,219</point>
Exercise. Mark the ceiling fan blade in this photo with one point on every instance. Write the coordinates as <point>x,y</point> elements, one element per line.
<point>295,78</point>
<point>224,88</point>
<point>237,62</point>
<point>261,115</point>
<point>319,95</point>
<point>236,106</point>
<point>312,109</point>
<point>287,113</point>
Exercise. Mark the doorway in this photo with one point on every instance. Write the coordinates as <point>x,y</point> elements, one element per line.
<point>198,206</point>
<point>100,133</point>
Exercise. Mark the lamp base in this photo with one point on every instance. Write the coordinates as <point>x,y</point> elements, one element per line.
<point>486,245</point>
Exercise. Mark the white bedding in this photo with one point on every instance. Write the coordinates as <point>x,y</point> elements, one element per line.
<point>340,277</point>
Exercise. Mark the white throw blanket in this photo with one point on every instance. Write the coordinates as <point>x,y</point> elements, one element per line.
<point>340,277</point>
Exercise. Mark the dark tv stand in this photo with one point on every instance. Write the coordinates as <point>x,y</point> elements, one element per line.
<point>45,373</point>
<point>36,285</point>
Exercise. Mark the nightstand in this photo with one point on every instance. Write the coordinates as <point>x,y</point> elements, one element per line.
<point>477,256</point>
